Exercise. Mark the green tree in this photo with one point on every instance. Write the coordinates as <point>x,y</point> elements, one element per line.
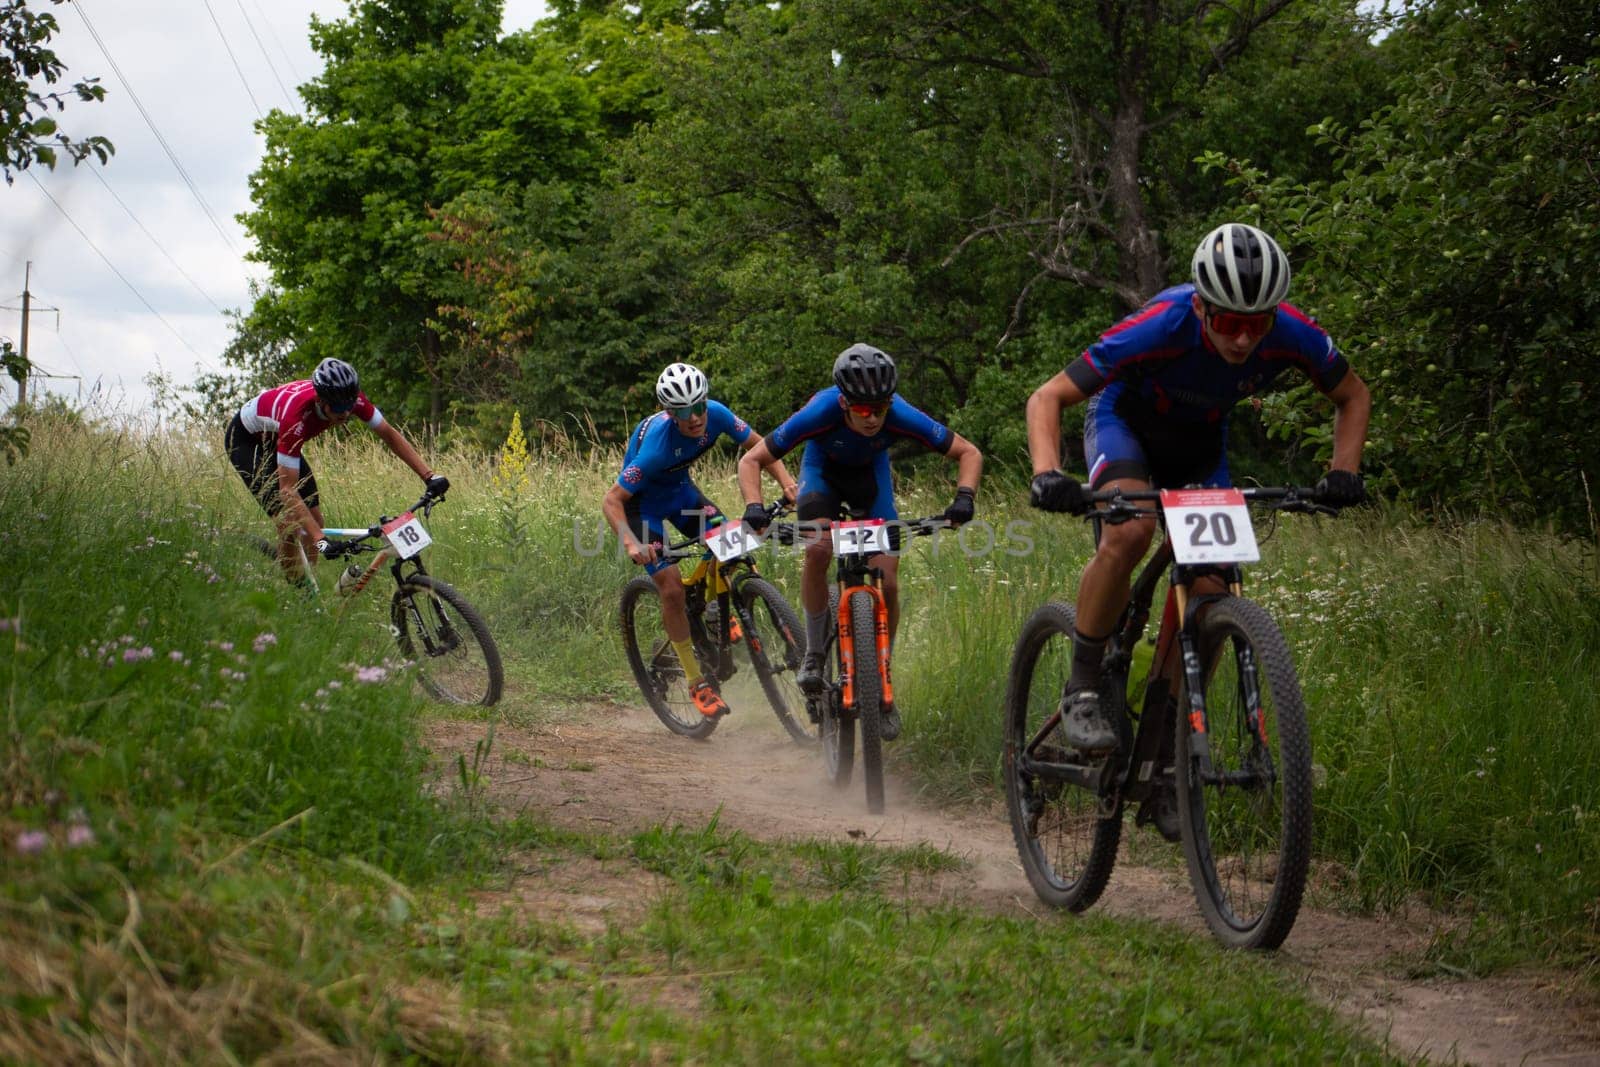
<point>1456,249</point>
<point>28,134</point>
<point>419,104</point>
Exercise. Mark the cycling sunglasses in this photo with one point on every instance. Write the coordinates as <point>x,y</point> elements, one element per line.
<point>689,412</point>
<point>1234,323</point>
<point>869,411</point>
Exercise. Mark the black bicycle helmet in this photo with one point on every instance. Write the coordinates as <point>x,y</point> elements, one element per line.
<point>336,385</point>
<point>865,375</point>
<point>1240,268</point>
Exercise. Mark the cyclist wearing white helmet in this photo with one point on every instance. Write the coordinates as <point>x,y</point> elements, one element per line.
<point>264,443</point>
<point>654,487</point>
<point>1159,385</point>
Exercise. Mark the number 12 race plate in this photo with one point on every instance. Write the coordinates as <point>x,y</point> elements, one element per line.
<point>406,535</point>
<point>732,540</point>
<point>852,538</point>
<point>1209,526</point>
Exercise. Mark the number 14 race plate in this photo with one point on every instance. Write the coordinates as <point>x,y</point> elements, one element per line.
<point>1209,526</point>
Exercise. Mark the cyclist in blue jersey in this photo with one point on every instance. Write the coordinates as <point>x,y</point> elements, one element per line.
<point>1159,385</point>
<point>654,487</point>
<point>847,431</point>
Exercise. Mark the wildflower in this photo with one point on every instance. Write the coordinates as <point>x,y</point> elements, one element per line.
<point>511,474</point>
<point>177,657</point>
<point>10,626</point>
<point>31,842</point>
<point>134,655</point>
<point>226,646</point>
<point>79,835</point>
<point>370,674</point>
<point>336,684</point>
<point>264,641</point>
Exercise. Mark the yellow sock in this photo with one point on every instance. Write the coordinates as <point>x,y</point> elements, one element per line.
<point>691,664</point>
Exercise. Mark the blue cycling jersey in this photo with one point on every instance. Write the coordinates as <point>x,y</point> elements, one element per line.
<point>656,464</point>
<point>1157,362</point>
<point>820,426</point>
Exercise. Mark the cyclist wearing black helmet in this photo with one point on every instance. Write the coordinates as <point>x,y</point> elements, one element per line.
<point>1159,385</point>
<point>847,430</point>
<point>265,440</point>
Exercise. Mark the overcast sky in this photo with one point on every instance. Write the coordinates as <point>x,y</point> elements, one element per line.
<point>174,59</point>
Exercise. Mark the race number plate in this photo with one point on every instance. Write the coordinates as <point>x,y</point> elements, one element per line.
<point>406,535</point>
<point>1209,526</point>
<point>732,540</point>
<point>853,538</point>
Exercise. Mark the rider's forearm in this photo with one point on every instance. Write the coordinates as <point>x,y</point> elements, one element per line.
<point>617,518</point>
<point>1044,431</point>
<point>300,512</point>
<point>969,469</point>
<point>750,477</point>
<point>401,447</point>
<point>1350,420</point>
<point>780,474</point>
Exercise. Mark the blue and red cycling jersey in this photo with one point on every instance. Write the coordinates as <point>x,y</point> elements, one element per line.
<point>842,466</point>
<point>655,468</point>
<point>1157,386</point>
<point>820,426</point>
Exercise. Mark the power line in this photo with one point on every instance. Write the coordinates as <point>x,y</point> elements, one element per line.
<point>282,51</point>
<point>176,266</point>
<point>131,287</point>
<point>236,68</point>
<point>251,26</point>
<point>173,156</point>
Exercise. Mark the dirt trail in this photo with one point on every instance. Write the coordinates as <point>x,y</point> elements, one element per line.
<point>618,770</point>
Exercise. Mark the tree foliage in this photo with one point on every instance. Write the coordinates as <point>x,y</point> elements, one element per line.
<point>28,70</point>
<point>1456,249</point>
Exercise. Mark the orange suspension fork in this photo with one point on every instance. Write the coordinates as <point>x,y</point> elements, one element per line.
<point>847,649</point>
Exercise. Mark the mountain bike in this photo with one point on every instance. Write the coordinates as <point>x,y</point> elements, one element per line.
<point>1221,723</point>
<point>859,687</point>
<point>728,604</point>
<point>455,656</point>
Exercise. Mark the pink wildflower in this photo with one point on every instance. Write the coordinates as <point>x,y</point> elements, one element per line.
<point>370,674</point>
<point>134,655</point>
<point>79,835</point>
<point>30,842</point>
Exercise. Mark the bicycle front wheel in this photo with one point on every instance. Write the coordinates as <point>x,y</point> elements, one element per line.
<point>1067,844</point>
<point>775,642</point>
<point>837,728</point>
<point>1246,820</point>
<point>457,660</point>
<point>655,662</point>
<point>868,694</point>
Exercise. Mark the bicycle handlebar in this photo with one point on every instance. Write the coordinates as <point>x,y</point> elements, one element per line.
<point>1121,503</point>
<point>351,539</point>
<point>693,545</point>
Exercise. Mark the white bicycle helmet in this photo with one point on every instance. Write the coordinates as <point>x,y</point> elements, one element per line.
<point>681,385</point>
<point>1239,268</point>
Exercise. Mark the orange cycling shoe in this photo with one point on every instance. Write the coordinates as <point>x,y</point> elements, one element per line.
<point>708,700</point>
<point>735,632</point>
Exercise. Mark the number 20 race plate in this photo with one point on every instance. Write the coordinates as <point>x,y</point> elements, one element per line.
<point>1209,526</point>
<point>406,535</point>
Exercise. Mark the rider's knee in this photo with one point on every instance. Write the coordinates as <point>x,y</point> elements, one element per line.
<point>1123,545</point>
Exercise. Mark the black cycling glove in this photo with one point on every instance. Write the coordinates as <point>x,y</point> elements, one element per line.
<point>438,485</point>
<point>1342,489</point>
<point>1054,491</point>
<point>962,508</point>
<point>331,549</point>
<point>756,517</point>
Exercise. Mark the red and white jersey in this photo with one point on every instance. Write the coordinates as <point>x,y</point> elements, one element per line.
<point>289,413</point>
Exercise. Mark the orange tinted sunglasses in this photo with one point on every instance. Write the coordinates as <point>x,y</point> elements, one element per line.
<point>869,411</point>
<point>1234,323</point>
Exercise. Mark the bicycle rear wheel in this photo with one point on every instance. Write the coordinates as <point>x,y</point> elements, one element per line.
<point>1247,827</point>
<point>869,695</point>
<point>838,728</point>
<point>775,642</point>
<point>1068,846</point>
<point>655,662</point>
<point>457,660</point>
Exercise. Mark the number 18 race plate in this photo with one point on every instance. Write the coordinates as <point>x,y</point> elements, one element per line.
<point>1209,526</point>
<point>406,535</point>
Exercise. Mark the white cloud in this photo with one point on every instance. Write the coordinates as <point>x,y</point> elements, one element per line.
<point>174,59</point>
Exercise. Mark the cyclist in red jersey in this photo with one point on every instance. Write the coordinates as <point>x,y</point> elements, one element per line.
<point>264,443</point>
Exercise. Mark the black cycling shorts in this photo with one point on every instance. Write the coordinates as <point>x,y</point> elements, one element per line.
<point>255,458</point>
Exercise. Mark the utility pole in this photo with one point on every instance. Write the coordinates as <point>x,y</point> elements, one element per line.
<point>22,382</point>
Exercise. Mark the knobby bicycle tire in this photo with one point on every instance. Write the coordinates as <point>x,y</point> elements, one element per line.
<point>418,612</point>
<point>838,728</point>
<point>655,663</point>
<point>779,642</point>
<point>1248,842</point>
<point>1067,845</point>
<point>869,695</point>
